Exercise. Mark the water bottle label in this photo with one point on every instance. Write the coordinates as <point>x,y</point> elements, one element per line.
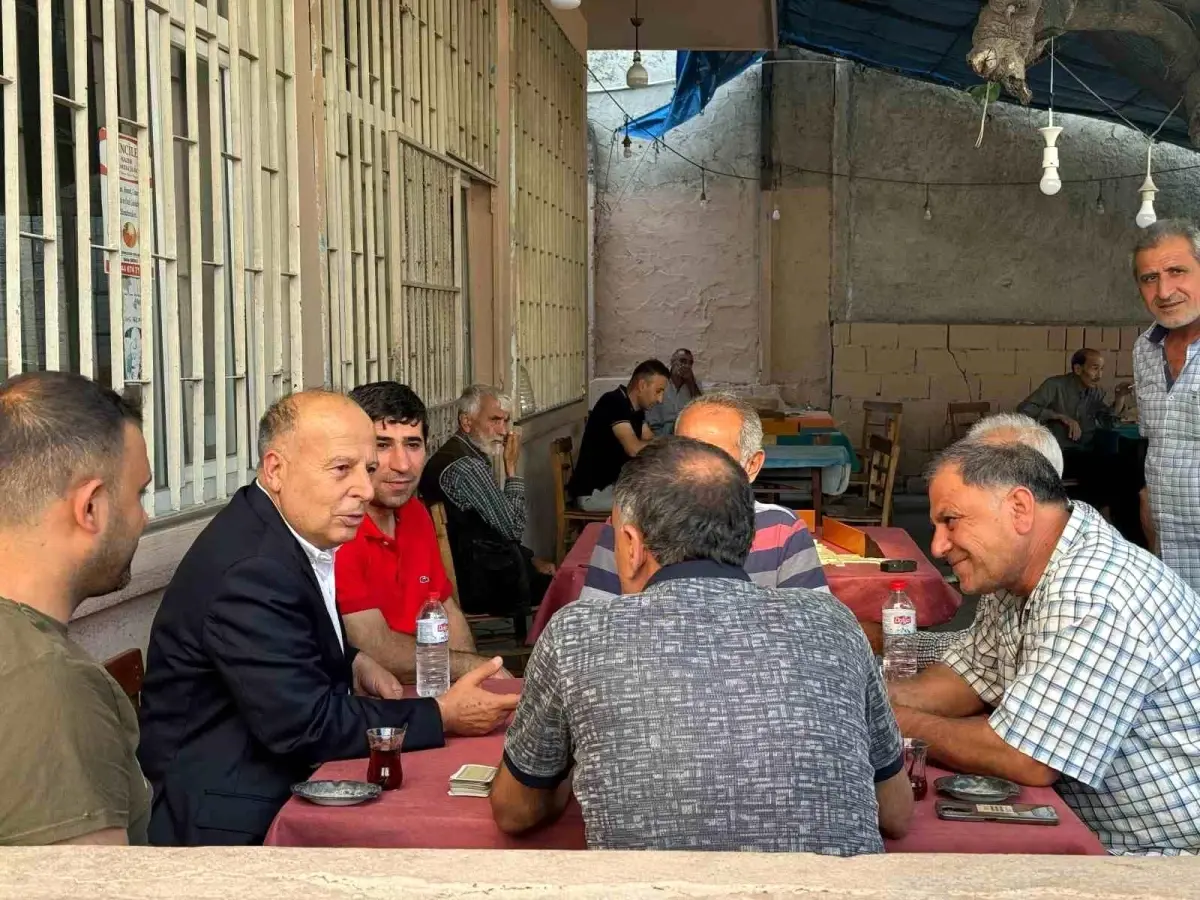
<point>899,621</point>
<point>433,631</point>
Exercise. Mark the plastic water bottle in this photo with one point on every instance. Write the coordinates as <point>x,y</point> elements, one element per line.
<point>899,634</point>
<point>433,649</point>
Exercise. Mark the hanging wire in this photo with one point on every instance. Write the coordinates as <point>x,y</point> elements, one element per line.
<point>804,170</point>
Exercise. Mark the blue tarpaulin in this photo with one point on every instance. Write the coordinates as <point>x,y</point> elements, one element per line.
<point>925,39</point>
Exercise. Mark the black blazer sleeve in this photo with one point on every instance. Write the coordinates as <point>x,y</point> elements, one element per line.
<point>259,634</point>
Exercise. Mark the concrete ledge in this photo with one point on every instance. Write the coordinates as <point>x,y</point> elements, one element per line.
<point>273,874</point>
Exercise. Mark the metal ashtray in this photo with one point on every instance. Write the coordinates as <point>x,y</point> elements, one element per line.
<point>977,788</point>
<point>336,793</point>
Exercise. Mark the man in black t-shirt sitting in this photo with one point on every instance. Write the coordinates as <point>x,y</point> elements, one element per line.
<point>616,430</point>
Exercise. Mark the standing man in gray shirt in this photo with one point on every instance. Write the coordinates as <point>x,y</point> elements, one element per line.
<point>699,711</point>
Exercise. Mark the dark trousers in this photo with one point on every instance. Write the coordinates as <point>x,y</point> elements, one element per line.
<point>499,579</point>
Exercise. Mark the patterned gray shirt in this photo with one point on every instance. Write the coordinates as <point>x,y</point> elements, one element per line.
<point>707,713</point>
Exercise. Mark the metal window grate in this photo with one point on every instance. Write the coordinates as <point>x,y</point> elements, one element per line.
<point>550,209</point>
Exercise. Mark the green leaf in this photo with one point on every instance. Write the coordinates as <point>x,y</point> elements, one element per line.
<point>988,91</point>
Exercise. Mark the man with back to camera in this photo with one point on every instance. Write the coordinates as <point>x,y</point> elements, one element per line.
<point>699,711</point>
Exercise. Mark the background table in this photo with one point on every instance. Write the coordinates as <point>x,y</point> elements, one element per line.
<point>421,816</point>
<point>861,586</point>
<point>828,466</point>
<point>810,436</point>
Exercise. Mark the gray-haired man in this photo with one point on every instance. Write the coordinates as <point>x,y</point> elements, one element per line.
<point>1002,428</point>
<point>496,574</point>
<point>700,711</point>
<point>1081,669</point>
<point>1166,263</point>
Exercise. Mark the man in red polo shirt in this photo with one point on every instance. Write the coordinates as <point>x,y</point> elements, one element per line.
<point>393,566</point>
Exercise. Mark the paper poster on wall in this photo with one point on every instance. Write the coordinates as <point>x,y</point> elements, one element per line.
<point>131,267</point>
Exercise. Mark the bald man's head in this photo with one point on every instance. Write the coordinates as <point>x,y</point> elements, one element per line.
<point>680,500</point>
<point>317,454</point>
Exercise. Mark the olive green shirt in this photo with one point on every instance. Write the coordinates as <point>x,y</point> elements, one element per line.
<point>68,738</point>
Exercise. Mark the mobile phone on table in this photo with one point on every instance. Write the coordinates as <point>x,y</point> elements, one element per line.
<point>1011,813</point>
<point>898,565</point>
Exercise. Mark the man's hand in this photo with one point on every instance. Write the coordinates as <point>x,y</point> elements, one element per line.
<point>512,452</point>
<point>373,680</point>
<point>470,709</point>
<point>1123,388</point>
<point>1074,432</point>
<point>544,566</point>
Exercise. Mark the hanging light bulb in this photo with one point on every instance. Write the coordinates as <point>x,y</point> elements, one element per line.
<point>1146,215</point>
<point>1100,199</point>
<point>703,189</point>
<point>565,4</point>
<point>1050,184</point>
<point>637,76</point>
<point>775,214</point>
<point>628,145</point>
<point>928,211</point>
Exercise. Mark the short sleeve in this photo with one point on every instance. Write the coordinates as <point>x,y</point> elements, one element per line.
<point>614,408</point>
<point>887,747</point>
<point>68,760</point>
<point>537,749</point>
<point>975,658</point>
<point>602,579</point>
<point>353,593</point>
<point>800,566</point>
<point>1077,694</point>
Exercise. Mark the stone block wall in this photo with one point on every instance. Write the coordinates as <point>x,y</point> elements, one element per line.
<point>929,366</point>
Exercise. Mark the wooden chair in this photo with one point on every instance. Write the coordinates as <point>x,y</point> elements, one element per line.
<point>881,417</point>
<point>961,416</point>
<point>492,633</point>
<point>875,506</point>
<point>568,518</point>
<point>128,670</point>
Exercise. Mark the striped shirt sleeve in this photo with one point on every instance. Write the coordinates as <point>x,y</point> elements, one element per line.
<point>602,580</point>
<point>799,565</point>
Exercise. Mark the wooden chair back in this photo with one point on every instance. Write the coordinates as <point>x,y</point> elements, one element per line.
<point>128,670</point>
<point>961,416</point>
<point>561,467</point>
<point>437,512</point>
<point>881,417</point>
<point>883,457</point>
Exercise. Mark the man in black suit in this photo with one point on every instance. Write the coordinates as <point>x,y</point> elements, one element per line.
<point>250,683</point>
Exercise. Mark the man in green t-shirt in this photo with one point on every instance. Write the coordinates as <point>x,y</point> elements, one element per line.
<point>73,467</point>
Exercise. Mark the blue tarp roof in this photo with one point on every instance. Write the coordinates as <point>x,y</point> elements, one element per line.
<point>925,39</point>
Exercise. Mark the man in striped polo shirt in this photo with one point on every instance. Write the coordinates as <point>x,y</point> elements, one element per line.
<point>783,554</point>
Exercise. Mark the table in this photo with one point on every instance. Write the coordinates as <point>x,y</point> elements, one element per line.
<point>862,587</point>
<point>809,436</point>
<point>827,465</point>
<point>421,816</point>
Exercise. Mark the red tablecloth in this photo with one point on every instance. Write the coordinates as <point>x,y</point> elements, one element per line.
<point>422,816</point>
<point>861,587</point>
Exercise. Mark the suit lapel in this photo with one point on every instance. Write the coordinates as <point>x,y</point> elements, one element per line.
<point>270,514</point>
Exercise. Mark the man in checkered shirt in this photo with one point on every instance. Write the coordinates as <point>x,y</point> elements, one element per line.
<point>1166,263</point>
<point>1002,428</point>
<point>1081,669</point>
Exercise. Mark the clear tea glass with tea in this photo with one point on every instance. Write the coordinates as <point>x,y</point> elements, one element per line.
<point>385,768</point>
<point>915,753</point>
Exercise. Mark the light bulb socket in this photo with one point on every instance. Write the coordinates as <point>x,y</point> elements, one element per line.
<point>1050,133</point>
<point>1049,157</point>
